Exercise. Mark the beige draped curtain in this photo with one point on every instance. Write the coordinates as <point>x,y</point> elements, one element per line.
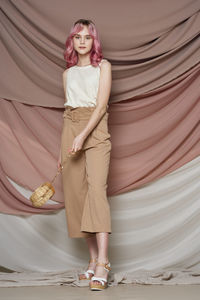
<point>154,49</point>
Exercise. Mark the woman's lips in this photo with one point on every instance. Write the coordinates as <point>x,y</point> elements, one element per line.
<point>82,47</point>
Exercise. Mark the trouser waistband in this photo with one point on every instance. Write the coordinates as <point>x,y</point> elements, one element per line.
<point>78,113</point>
<point>83,108</point>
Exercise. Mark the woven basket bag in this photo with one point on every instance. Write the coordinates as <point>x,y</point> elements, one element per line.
<point>46,190</point>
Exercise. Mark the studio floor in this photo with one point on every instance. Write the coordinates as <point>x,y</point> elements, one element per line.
<point>122,291</point>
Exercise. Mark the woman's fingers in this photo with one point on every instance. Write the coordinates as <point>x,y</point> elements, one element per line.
<point>71,151</point>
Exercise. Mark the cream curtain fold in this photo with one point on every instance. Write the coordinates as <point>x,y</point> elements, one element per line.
<point>155,227</point>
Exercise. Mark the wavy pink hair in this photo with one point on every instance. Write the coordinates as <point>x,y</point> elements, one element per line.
<point>70,54</point>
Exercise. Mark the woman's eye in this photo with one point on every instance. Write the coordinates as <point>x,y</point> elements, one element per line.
<point>78,37</point>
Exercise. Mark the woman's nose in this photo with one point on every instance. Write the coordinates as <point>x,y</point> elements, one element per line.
<point>83,41</point>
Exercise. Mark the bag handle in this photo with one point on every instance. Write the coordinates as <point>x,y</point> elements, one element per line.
<point>60,169</point>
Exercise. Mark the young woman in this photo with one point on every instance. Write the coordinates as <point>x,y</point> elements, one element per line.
<point>86,141</point>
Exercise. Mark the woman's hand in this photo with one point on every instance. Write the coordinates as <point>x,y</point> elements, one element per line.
<point>77,143</point>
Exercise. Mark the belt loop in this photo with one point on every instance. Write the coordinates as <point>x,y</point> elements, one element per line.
<point>74,116</point>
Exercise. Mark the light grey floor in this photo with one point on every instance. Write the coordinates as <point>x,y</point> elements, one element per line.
<point>122,291</point>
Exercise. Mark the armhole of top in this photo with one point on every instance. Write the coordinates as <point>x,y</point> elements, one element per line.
<point>65,83</point>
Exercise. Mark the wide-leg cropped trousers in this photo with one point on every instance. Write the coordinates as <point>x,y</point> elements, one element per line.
<point>84,175</point>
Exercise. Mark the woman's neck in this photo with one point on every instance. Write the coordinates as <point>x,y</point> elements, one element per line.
<point>83,61</point>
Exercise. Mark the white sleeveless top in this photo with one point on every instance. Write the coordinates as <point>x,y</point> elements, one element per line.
<point>82,85</point>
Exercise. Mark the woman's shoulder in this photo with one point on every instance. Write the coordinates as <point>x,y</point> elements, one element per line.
<point>104,61</point>
<point>65,72</point>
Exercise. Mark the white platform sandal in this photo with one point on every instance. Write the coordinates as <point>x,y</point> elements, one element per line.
<point>87,275</point>
<point>103,281</point>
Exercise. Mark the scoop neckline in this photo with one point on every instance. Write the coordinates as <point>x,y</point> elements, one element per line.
<point>83,66</point>
<point>87,65</point>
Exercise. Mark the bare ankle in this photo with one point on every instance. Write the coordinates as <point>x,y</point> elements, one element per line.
<point>103,259</point>
<point>93,258</point>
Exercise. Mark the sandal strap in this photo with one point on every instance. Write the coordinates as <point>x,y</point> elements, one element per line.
<point>92,260</point>
<point>89,271</point>
<point>107,266</point>
<point>101,279</point>
<point>86,273</point>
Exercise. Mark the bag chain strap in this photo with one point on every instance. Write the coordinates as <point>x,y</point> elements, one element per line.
<point>60,169</point>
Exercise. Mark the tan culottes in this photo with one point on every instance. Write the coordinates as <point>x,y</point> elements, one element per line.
<point>84,175</point>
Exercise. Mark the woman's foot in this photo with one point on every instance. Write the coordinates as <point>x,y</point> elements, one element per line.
<point>101,272</point>
<point>88,273</point>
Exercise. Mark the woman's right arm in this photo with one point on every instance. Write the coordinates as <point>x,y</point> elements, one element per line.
<point>64,86</point>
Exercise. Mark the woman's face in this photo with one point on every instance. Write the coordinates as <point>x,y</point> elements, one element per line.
<point>83,41</point>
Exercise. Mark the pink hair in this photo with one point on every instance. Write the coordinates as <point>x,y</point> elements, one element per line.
<point>70,54</point>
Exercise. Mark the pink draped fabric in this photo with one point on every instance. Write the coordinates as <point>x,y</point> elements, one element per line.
<point>154,104</point>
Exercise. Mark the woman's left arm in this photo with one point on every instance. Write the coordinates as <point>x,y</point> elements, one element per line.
<point>105,82</point>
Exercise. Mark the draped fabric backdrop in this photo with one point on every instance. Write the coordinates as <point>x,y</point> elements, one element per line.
<point>154,122</point>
